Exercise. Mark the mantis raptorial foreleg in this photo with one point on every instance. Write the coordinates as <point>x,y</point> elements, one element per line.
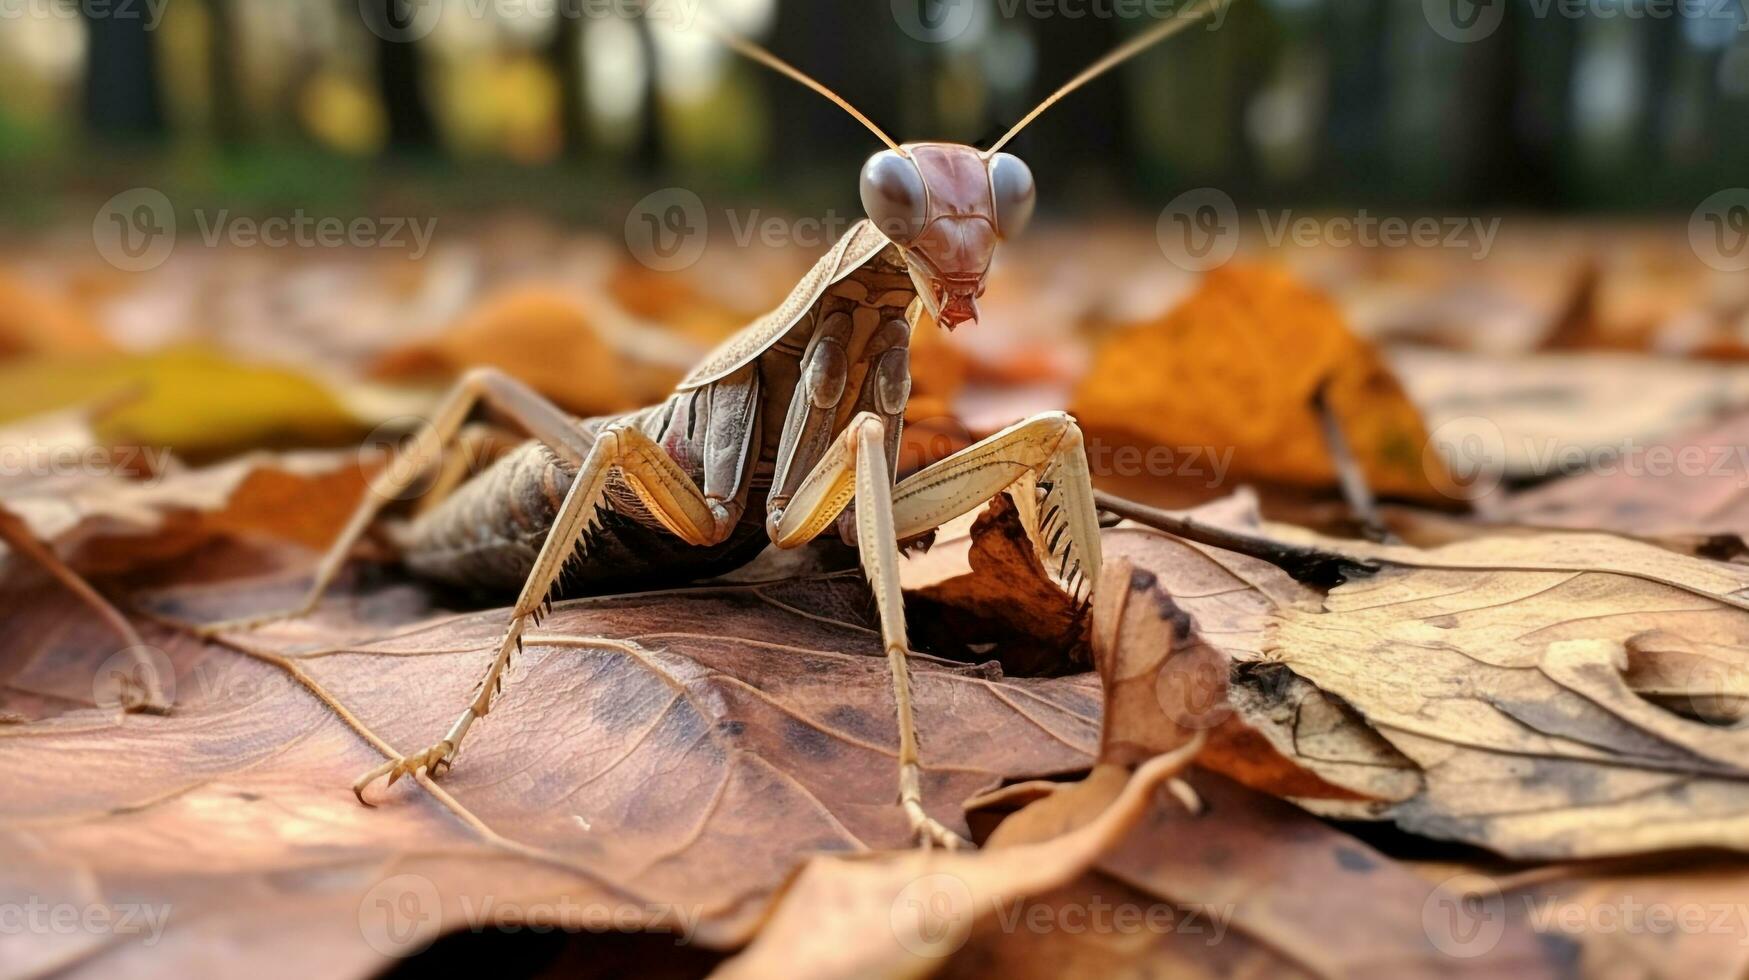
<point>518,403</point>
<point>1047,448</point>
<point>659,483</point>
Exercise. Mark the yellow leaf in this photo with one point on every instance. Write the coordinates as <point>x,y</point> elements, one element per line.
<point>193,401</point>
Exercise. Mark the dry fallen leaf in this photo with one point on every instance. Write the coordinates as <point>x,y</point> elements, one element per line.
<point>1237,365</point>
<point>192,401</point>
<point>1497,665</point>
<point>1186,638</point>
<point>106,522</point>
<point>35,321</point>
<point>583,356</point>
<point>1691,490</point>
<point>666,757</point>
<point>829,921</point>
<point>1246,885</point>
<point>985,594</point>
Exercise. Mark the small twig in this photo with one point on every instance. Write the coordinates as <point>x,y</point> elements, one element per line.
<point>1325,569</point>
<point>1354,486</point>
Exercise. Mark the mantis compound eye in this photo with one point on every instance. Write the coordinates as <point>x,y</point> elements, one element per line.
<point>1011,186</point>
<point>893,195</point>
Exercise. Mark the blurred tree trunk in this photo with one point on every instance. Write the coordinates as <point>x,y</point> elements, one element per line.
<point>1089,134</point>
<point>648,154</point>
<point>566,55</point>
<point>401,80</point>
<point>229,120</point>
<point>1353,154</point>
<point>120,98</point>
<point>1513,138</point>
<point>852,48</point>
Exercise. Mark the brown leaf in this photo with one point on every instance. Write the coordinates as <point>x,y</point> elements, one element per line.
<point>1247,885</point>
<point>1691,490</point>
<point>1005,606</point>
<point>583,357</point>
<point>666,757</point>
<point>1497,665</point>
<point>900,915</point>
<point>1179,633</point>
<point>1237,365</point>
<point>106,523</point>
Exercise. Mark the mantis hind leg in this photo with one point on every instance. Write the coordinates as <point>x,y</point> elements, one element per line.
<point>659,484</point>
<point>515,401</point>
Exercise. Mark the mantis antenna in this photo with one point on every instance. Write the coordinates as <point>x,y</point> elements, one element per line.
<point>1118,56</point>
<point>781,66</point>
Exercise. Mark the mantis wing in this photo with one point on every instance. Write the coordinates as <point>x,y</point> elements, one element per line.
<point>861,243</point>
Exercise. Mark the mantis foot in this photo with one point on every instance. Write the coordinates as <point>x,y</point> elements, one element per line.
<point>434,760</point>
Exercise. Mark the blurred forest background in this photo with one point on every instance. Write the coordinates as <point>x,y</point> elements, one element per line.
<point>527,144</point>
<point>265,103</point>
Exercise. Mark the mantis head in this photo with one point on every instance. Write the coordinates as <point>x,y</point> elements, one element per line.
<point>946,206</point>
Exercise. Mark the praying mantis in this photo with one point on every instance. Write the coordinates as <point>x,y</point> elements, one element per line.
<point>788,430</point>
